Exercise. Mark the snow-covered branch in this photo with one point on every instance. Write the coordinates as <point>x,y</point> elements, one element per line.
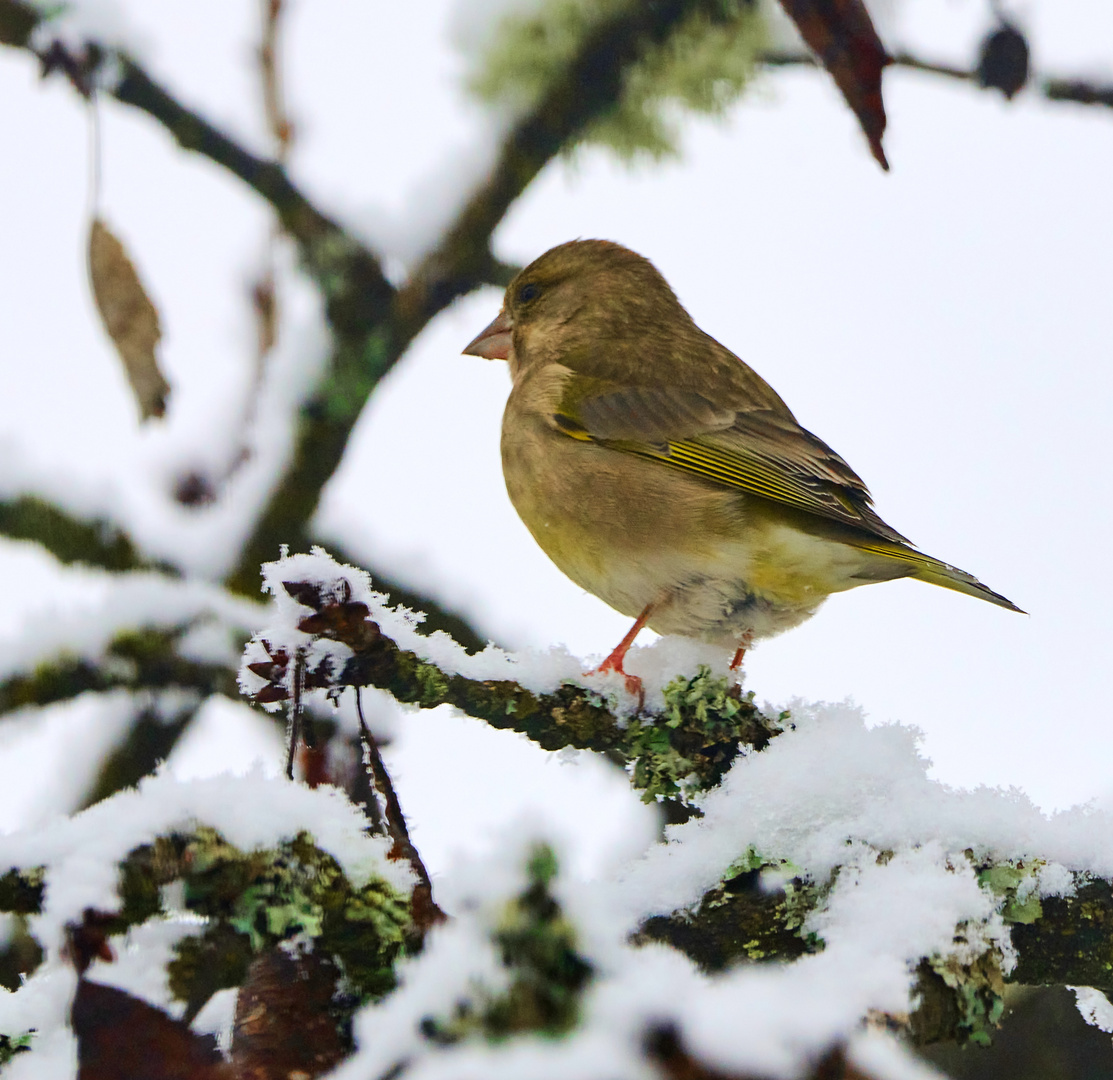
<point>345,635</point>
<point>1038,922</point>
<point>143,659</point>
<point>70,539</point>
<point>372,324</point>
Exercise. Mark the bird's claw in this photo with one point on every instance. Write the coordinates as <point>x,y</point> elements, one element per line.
<point>634,686</point>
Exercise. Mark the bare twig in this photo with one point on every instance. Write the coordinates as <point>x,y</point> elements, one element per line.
<point>426,913</point>
<point>1079,91</point>
<point>294,716</point>
<point>274,104</point>
<point>264,297</point>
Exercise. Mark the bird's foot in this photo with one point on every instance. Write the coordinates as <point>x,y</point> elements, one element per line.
<point>613,662</point>
<point>740,654</point>
<point>634,685</point>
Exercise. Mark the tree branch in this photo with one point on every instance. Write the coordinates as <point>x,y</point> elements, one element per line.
<point>1060,940</point>
<point>94,542</point>
<point>362,927</point>
<point>142,659</point>
<point>148,741</point>
<point>425,912</point>
<point>1080,91</point>
<point>589,86</point>
<point>688,747</point>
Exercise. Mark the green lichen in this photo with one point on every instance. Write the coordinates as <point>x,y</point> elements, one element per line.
<point>688,747</point>
<point>433,683</point>
<point>757,912</point>
<point>1016,886</point>
<point>10,1045</point>
<point>298,890</point>
<point>253,900</point>
<point>704,66</point>
<point>979,991</point>
<point>547,975</point>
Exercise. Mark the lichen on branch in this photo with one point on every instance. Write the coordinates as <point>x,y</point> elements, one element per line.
<point>329,615</point>
<point>250,901</point>
<point>704,65</point>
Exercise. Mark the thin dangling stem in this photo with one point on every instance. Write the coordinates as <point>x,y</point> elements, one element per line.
<point>294,722</point>
<point>425,911</point>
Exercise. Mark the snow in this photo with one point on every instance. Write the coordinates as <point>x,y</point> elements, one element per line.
<point>79,21</point>
<point>829,793</point>
<point>83,629</point>
<point>1095,1007</point>
<point>217,1017</point>
<point>834,782</point>
<point>402,233</point>
<point>140,960</point>
<point>879,1055</point>
<point>82,852</point>
<point>538,670</point>
<point>42,1004</point>
<point>766,1020</point>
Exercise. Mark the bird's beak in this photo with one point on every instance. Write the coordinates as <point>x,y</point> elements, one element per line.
<point>494,341</point>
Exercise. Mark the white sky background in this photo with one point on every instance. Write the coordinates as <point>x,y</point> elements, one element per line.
<point>948,328</point>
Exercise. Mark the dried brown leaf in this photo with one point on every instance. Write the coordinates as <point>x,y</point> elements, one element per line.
<point>120,1037</point>
<point>842,35</point>
<point>129,317</point>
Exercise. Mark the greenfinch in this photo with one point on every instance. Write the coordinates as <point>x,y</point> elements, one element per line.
<point>663,474</point>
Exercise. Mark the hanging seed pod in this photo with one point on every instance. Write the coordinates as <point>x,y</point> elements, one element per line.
<point>129,317</point>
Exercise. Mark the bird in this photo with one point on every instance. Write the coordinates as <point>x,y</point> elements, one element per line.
<point>663,475</point>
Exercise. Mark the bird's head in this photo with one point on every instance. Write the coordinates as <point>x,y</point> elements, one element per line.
<point>574,300</point>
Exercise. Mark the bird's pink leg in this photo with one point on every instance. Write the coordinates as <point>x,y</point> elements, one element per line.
<point>618,654</point>
<point>740,653</point>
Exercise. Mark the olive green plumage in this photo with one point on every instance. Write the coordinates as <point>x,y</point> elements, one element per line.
<point>660,472</point>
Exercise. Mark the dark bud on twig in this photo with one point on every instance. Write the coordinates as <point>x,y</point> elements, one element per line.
<point>1003,64</point>
<point>79,67</point>
<point>87,940</point>
<point>307,593</point>
<point>194,489</point>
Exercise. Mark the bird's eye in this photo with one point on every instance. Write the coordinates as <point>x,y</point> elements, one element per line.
<point>529,291</point>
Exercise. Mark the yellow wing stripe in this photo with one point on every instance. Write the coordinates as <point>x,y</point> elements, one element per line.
<point>724,468</point>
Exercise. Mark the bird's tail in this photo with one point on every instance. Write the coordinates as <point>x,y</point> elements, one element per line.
<point>925,568</point>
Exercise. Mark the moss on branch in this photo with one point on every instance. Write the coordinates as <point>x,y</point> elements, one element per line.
<point>687,748</point>
<point>739,920</point>
<point>92,542</point>
<point>252,901</point>
<point>145,658</point>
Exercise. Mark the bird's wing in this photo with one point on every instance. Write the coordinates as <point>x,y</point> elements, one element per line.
<point>752,450</point>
